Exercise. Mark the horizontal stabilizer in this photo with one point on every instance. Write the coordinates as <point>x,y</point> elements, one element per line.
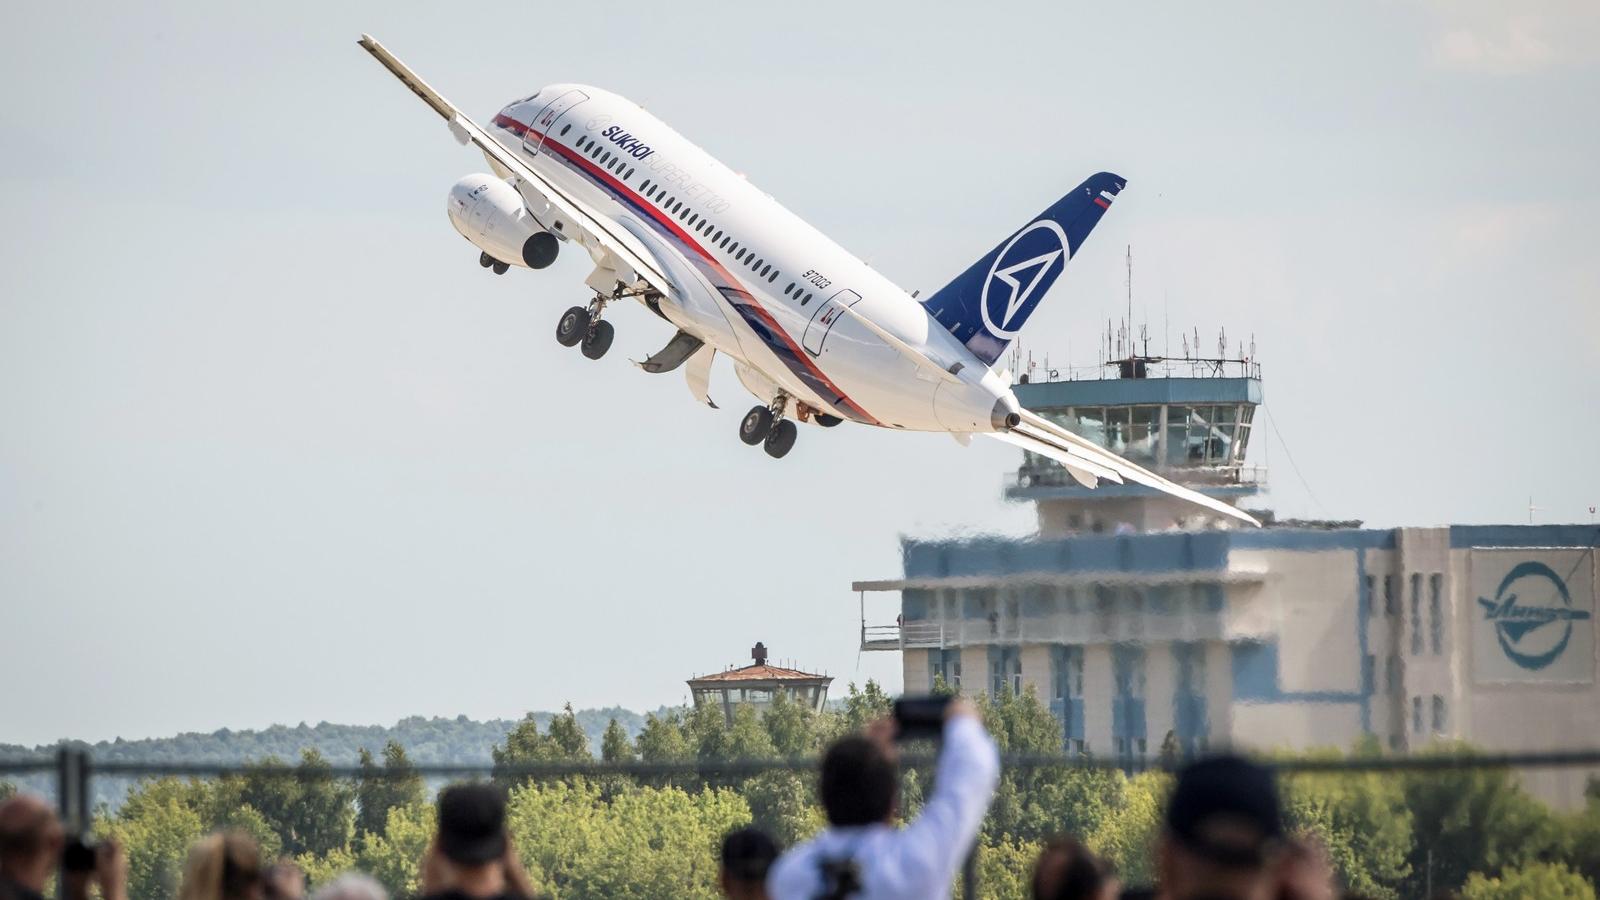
<point>1082,456</point>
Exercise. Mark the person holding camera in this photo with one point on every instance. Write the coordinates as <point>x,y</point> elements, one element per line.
<point>861,853</point>
<point>34,845</point>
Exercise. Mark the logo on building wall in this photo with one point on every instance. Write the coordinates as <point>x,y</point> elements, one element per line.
<point>1532,615</point>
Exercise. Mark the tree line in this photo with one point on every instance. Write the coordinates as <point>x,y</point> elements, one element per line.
<point>1389,835</point>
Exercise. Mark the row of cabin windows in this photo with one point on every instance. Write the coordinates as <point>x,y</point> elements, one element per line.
<point>607,160</point>
<point>693,220</point>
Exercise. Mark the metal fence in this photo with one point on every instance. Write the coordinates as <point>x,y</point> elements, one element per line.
<point>73,769</point>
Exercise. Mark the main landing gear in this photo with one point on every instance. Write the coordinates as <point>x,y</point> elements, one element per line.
<point>766,425</point>
<point>583,326</point>
<point>489,262</point>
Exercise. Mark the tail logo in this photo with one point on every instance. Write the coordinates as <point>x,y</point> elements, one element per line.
<point>1022,271</point>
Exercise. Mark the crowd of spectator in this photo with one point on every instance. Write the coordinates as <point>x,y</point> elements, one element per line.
<point>1223,838</point>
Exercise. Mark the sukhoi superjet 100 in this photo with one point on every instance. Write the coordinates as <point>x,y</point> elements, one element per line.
<point>815,334</point>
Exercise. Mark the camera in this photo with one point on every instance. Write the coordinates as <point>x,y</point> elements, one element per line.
<point>920,718</point>
<point>78,855</point>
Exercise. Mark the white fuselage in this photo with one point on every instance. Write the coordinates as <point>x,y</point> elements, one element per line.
<point>756,282</point>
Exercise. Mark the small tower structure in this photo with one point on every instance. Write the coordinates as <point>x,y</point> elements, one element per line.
<point>757,683</point>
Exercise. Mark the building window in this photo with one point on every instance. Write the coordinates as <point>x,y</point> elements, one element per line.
<point>1367,589</point>
<point>1369,674</point>
<point>946,666</point>
<point>1438,714</point>
<point>1005,671</point>
<point>1416,615</point>
<point>1435,614</point>
<point>1190,723</point>
<point>1392,674</point>
<point>1066,694</point>
<point>1127,703</point>
<point>1416,714</point>
<point>1391,603</point>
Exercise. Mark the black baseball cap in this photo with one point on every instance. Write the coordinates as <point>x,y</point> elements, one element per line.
<point>748,853</point>
<point>1226,809</point>
<point>472,823</point>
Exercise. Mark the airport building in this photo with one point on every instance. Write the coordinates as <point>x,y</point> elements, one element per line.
<point>756,685</point>
<point>1140,620</point>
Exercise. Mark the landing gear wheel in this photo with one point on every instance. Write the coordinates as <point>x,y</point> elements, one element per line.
<point>501,268</point>
<point>780,440</point>
<point>755,425</point>
<point>598,341</point>
<point>485,260</point>
<point>573,327</point>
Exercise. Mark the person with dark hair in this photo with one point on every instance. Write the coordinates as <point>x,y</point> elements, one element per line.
<point>1066,870</point>
<point>861,853</point>
<point>471,857</point>
<point>34,846</point>
<point>1223,836</point>
<point>747,855</point>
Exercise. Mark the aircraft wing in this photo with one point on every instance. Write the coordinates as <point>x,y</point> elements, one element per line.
<point>623,247</point>
<point>1087,461</point>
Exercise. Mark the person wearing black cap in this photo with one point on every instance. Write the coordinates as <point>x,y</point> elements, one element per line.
<point>471,857</point>
<point>1224,835</point>
<point>747,854</point>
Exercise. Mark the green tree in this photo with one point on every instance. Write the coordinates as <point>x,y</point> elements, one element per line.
<point>7,790</point>
<point>1545,881</point>
<point>662,740</point>
<point>324,812</point>
<point>564,741</point>
<point>707,731</point>
<point>783,803</point>
<point>1361,818</point>
<point>392,855</point>
<point>1129,834</point>
<point>379,790</point>
<point>1033,804</point>
<point>1473,819</point>
<point>1005,869</point>
<point>746,738</point>
<point>650,842</point>
<point>156,824</point>
<point>615,746</point>
<point>791,725</point>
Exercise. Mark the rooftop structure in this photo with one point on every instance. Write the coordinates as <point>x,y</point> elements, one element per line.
<point>1138,622</point>
<point>756,684</point>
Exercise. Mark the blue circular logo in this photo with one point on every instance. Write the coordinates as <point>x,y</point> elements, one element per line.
<point>1023,270</point>
<point>1530,599</point>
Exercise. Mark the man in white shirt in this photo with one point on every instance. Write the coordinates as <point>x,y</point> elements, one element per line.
<point>861,854</point>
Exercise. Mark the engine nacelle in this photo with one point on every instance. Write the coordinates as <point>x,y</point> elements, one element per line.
<point>490,213</point>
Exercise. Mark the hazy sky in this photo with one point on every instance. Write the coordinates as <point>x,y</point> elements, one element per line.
<point>273,448</point>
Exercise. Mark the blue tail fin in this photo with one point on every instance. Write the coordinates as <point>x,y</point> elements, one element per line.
<point>985,306</point>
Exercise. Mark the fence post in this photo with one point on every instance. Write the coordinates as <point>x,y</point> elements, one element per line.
<point>72,796</point>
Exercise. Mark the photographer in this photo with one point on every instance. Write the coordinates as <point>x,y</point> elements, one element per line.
<point>33,846</point>
<point>861,854</point>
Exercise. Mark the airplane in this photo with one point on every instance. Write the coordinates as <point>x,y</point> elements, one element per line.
<point>814,333</point>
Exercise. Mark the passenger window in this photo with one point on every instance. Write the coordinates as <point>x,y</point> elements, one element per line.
<point>765,270</point>
<point>788,289</point>
<point>694,221</point>
<point>683,213</point>
<point>645,188</point>
<point>629,175</point>
<point>717,237</point>
<point>565,129</point>
<point>757,265</point>
<point>670,202</point>
<point>773,276</point>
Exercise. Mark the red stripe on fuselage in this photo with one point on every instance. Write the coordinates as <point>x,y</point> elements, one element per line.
<point>610,180</point>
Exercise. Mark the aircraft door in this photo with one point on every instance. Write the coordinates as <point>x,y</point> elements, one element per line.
<point>823,320</point>
<point>547,118</point>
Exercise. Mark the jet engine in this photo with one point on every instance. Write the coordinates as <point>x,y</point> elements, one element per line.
<point>490,213</point>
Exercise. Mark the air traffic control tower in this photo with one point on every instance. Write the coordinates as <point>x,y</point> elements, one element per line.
<point>1142,622</point>
<point>1188,419</point>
